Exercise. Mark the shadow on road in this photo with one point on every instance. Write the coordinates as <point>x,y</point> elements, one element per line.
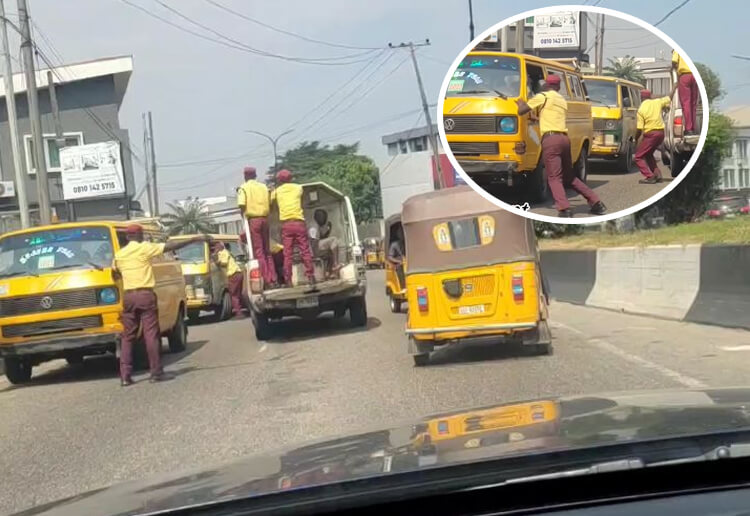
<point>100,367</point>
<point>291,330</point>
<point>464,354</point>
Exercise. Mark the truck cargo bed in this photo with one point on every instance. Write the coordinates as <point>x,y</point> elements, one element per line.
<point>323,287</point>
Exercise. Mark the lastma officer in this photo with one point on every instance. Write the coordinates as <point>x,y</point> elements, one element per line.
<point>552,110</point>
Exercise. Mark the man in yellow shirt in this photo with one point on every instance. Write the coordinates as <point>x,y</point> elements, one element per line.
<point>254,202</point>
<point>688,90</point>
<point>650,125</point>
<point>132,264</point>
<point>232,272</point>
<point>552,111</point>
<point>288,198</point>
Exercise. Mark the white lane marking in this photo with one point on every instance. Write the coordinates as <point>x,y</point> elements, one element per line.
<point>263,348</point>
<point>744,347</point>
<point>678,377</point>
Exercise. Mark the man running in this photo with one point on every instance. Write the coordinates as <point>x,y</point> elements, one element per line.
<point>650,125</point>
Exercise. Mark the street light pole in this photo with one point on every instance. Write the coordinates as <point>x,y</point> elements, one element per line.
<point>471,22</point>
<point>274,142</point>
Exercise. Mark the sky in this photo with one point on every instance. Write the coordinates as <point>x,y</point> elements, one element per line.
<point>204,96</point>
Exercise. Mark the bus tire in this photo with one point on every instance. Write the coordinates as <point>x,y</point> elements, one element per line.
<point>224,310</point>
<point>581,167</point>
<point>17,371</point>
<point>177,337</point>
<point>395,306</point>
<point>421,360</point>
<point>537,183</point>
<point>625,161</point>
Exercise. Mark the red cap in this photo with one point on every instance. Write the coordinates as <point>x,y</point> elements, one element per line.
<point>133,229</point>
<point>553,79</point>
<point>284,176</point>
<point>249,172</point>
<point>645,94</point>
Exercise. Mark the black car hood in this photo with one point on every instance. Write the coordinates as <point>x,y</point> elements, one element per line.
<point>482,433</point>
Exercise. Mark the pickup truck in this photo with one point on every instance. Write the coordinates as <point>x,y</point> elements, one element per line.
<point>338,292</point>
<point>678,147</point>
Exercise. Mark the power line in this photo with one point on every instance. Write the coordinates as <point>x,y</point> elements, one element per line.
<point>670,13</point>
<point>238,45</point>
<point>282,31</point>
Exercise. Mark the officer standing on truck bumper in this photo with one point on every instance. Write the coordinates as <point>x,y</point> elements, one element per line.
<point>688,90</point>
<point>254,202</point>
<point>650,125</point>
<point>552,111</point>
<point>288,197</point>
<point>132,263</point>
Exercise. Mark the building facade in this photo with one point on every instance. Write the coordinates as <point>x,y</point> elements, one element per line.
<point>735,168</point>
<point>89,96</point>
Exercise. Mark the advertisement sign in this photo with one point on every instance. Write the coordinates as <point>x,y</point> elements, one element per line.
<point>91,170</point>
<point>557,30</point>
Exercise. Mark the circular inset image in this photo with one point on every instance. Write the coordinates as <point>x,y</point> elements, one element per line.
<point>545,115</point>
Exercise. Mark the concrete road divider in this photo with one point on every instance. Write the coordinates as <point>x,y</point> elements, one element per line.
<point>705,284</point>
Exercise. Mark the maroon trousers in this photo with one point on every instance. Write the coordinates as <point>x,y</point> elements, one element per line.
<point>294,234</point>
<point>234,284</point>
<point>644,154</point>
<point>260,241</point>
<point>560,174</point>
<point>687,87</point>
<point>140,309</point>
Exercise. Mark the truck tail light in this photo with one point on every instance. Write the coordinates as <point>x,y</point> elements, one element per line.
<point>517,285</point>
<point>422,299</point>
<point>678,120</point>
<point>520,147</point>
<point>256,282</point>
<point>255,274</point>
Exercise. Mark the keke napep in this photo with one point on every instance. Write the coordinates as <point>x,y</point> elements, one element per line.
<point>475,275</point>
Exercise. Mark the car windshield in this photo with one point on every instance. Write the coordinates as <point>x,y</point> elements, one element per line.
<point>194,253</point>
<point>602,92</point>
<point>486,75</point>
<point>45,251</point>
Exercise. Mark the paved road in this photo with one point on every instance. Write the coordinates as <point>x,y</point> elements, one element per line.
<point>74,429</point>
<point>616,189</point>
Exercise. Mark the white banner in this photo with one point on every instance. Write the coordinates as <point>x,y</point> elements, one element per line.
<point>557,30</point>
<point>91,170</point>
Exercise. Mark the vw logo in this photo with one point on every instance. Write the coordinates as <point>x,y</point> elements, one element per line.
<point>449,124</point>
<point>46,302</point>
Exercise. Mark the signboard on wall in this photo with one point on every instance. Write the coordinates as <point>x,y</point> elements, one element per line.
<point>92,170</point>
<point>557,30</point>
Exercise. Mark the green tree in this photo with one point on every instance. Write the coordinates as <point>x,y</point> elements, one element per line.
<point>341,167</point>
<point>625,68</point>
<point>188,218</point>
<point>712,82</point>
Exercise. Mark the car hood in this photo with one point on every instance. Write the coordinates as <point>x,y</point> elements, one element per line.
<point>497,431</point>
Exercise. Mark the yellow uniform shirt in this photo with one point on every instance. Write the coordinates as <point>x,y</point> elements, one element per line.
<point>254,196</point>
<point>682,67</point>
<point>289,198</point>
<point>225,259</point>
<point>649,114</point>
<point>552,110</point>
<point>134,263</point>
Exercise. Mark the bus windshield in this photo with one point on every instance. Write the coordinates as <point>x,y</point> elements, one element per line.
<point>486,75</point>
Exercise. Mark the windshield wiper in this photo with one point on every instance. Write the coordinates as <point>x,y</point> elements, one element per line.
<point>18,273</point>
<point>474,92</point>
<point>70,265</point>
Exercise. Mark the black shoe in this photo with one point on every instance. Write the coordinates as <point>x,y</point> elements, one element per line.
<point>126,382</point>
<point>649,181</point>
<point>565,214</point>
<point>598,208</point>
<point>161,377</point>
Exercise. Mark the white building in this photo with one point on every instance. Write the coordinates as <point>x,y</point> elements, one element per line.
<point>735,169</point>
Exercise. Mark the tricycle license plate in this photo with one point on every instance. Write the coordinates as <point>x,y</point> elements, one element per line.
<point>307,302</point>
<point>471,310</point>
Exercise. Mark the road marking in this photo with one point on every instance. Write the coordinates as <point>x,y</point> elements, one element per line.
<point>678,377</point>
<point>263,348</point>
<point>744,347</point>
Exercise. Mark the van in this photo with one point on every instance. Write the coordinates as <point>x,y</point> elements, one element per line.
<point>58,298</point>
<point>206,287</point>
<point>614,107</point>
<point>492,144</point>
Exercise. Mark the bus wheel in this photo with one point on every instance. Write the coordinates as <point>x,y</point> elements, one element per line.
<point>17,370</point>
<point>395,306</point>
<point>537,183</point>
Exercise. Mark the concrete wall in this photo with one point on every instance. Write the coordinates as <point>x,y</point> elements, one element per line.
<point>704,284</point>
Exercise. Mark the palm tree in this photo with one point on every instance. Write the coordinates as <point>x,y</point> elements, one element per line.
<point>625,68</point>
<point>188,218</point>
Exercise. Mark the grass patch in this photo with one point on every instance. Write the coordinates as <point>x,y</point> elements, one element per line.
<point>733,231</point>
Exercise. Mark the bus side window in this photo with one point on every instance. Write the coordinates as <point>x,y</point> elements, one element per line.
<point>534,74</point>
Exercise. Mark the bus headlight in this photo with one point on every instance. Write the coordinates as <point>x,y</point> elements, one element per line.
<point>508,124</point>
<point>108,296</point>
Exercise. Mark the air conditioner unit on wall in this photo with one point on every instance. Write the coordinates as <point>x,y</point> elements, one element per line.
<point>7,189</point>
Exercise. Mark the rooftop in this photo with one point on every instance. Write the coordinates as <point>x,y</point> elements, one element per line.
<point>740,115</point>
<point>416,132</point>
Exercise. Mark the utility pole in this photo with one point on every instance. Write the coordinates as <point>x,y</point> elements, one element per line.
<point>274,143</point>
<point>596,42</point>
<point>10,102</point>
<point>147,166</point>
<point>471,22</point>
<point>42,182</point>
<point>519,37</point>
<point>59,137</point>
<point>600,60</point>
<point>431,130</point>
<point>154,183</point>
